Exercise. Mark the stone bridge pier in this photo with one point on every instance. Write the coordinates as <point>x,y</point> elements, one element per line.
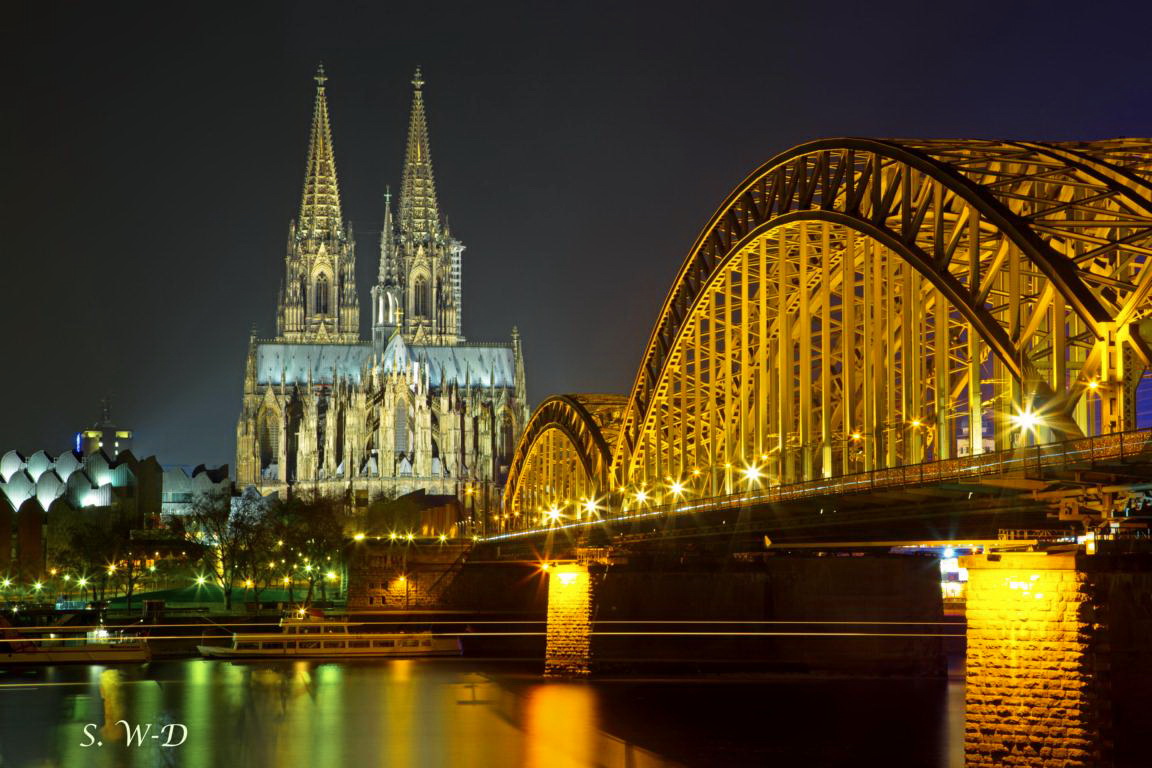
<point>1059,659</point>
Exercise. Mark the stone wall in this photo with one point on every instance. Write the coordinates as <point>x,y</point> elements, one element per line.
<point>1030,688</point>
<point>568,644</point>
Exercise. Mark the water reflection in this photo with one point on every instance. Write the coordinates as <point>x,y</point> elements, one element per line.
<point>412,713</point>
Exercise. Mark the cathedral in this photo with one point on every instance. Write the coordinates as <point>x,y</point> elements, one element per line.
<point>416,407</point>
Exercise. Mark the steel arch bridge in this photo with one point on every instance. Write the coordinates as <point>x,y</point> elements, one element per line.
<point>862,304</point>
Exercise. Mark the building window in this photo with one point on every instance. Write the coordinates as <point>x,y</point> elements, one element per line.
<point>322,295</point>
<point>420,297</point>
<point>268,437</point>
<point>400,425</point>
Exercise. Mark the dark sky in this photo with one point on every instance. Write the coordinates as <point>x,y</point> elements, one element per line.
<point>153,154</point>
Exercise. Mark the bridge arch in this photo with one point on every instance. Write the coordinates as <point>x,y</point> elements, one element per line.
<point>563,458</point>
<point>857,303</point>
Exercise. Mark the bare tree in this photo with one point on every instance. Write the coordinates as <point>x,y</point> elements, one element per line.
<point>224,534</point>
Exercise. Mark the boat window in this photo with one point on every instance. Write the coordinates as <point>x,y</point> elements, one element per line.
<point>247,646</point>
<point>273,645</point>
<point>358,643</point>
<point>384,643</point>
<point>426,642</point>
<point>409,642</point>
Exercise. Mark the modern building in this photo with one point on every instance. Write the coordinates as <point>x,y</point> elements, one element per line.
<point>104,435</point>
<point>33,487</point>
<point>413,407</point>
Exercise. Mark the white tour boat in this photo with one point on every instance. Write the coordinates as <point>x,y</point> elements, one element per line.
<point>95,647</point>
<point>311,637</point>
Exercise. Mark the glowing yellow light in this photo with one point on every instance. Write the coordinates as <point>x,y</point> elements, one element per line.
<point>112,568</point>
<point>856,435</point>
<point>553,513</point>
<point>1027,420</point>
<point>589,505</point>
<point>285,579</point>
<point>566,577</point>
<point>37,586</point>
<point>1094,384</point>
<point>359,537</point>
<point>331,575</point>
<point>82,582</point>
<point>200,580</point>
<point>916,423</point>
<point>410,536</point>
<point>67,577</point>
<point>751,474</point>
<point>151,568</point>
<point>279,542</point>
<point>402,579</point>
<point>677,488</point>
<point>443,538</point>
<point>6,582</point>
<point>52,572</point>
<point>695,473</point>
<point>543,567</point>
<point>248,583</point>
<point>392,536</point>
<point>308,569</point>
<point>641,495</point>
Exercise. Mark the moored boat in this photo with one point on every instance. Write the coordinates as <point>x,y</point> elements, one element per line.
<point>95,647</point>
<point>311,637</point>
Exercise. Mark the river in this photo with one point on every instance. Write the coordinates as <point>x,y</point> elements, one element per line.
<point>463,712</point>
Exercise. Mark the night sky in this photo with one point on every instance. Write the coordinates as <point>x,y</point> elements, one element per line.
<point>153,155</point>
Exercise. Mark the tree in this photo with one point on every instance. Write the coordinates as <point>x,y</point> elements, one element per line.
<point>224,533</point>
<point>95,542</point>
<point>312,531</point>
<point>258,535</point>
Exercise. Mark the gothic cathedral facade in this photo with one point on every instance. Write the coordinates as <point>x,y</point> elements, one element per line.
<point>416,406</point>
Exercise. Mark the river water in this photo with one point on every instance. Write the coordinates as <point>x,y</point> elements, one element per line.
<point>461,712</point>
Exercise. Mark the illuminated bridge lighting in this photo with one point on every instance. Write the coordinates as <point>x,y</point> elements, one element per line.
<point>946,403</point>
<point>1054,456</point>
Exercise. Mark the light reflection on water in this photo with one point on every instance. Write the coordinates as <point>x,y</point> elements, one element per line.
<point>403,713</point>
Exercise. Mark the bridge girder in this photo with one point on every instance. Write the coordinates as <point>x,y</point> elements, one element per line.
<point>1027,261</point>
<point>564,456</point>
<point>859,304</point>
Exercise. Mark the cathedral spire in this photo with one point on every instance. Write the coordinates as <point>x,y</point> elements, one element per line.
<point>320,205</point>
<point>387,233</point>
<point>419,213</point>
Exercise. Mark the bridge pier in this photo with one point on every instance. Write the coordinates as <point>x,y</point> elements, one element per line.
<point>1059,659</point>
<point>568,642</point>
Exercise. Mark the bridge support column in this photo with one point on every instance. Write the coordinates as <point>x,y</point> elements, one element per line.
<point>568,650</point>
<point>1037,689</point>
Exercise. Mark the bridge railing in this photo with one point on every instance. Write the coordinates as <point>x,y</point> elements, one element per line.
<point>1077,453</point>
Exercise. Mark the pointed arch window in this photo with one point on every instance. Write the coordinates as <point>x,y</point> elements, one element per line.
<point>420,298</point>
<point>321,302</point>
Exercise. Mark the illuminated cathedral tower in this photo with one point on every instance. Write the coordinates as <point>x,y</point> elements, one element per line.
<point>418,287</point>
<point>414,408</point>
<point>318,300</point>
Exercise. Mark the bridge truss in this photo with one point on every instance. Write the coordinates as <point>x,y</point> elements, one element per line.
<point>856,305</point>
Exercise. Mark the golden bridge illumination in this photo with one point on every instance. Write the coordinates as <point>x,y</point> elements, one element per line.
<point>859,305</point>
